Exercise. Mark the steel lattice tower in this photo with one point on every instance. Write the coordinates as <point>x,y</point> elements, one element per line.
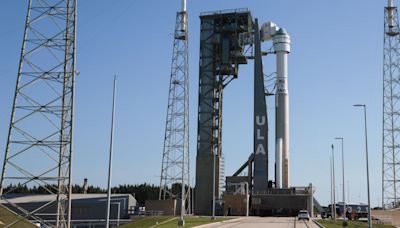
<point>391,110</point>
<point>175,159</point>
<point>39,145</point>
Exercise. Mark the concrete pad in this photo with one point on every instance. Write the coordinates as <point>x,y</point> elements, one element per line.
<point>262,222</point>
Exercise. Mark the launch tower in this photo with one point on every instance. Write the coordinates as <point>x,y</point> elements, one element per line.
<point>220,57</point>
<point>175,161</point>
<point>391,109</point>
<point>39,145</point>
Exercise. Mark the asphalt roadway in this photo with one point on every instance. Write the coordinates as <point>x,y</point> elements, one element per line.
<point>263,222</point>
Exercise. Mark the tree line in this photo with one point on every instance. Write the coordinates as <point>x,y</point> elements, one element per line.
<point>142,192</point>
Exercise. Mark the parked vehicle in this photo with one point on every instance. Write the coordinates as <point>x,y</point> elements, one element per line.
<point>325,214</point>
<point>303,214</point>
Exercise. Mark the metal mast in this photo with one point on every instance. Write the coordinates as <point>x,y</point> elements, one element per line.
<point>175,161</point>
<point>391,109</point>
<point>39,144</point>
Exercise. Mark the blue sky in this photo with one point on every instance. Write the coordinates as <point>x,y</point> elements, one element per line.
<point>336,61</point>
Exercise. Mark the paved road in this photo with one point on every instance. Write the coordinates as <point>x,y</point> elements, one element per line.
<point>262,222</point>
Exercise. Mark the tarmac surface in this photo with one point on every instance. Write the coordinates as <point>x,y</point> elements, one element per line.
<point>262,222</point>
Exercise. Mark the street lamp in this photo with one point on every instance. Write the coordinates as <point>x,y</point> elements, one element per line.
<point>366,155</point>
<point>344,198</point>
<point>333,184</point>
<point>213,191</point>
<point>111,154</point>
<point>330,170</point>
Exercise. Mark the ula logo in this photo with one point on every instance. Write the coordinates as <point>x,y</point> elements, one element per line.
<point>260,122</point>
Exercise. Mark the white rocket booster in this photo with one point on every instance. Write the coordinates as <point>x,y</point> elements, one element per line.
<point>281,42</point>
<point>278,163</point>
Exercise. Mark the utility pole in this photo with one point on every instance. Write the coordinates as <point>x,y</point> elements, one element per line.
<point>213,191</point>
<point>111,155</point>
<point>333,183</point>
<point>367,162</point>
<point>330,172</point>
<point>344,194</point>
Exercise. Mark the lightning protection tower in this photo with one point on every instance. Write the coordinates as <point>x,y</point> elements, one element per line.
<point>39,145</point>
<point>391,109</point>
<point>174,183</point>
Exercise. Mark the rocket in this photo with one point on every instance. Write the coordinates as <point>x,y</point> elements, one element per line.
<point>281,44</point>
<point>281,41</point>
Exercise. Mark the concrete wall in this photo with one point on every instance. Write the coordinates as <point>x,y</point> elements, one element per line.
<point>96,208</point>
<point>235,205</point>
<point>271,202</point>
<point>387,217</point>
<point>167,206</point>
<point>84,207</point>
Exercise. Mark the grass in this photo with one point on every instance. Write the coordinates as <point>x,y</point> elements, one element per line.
<point>7,217</point>
<point>351,224</point>
<point>147,221</point>
<point>191,221</point>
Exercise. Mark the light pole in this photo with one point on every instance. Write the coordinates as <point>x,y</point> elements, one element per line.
<point>111,155</point>
<point>344,195</point>
<point>366,155</point>
<point>348,191</point>
<point>333,183</point>
<point>330,171</point>
<point>213,191</point>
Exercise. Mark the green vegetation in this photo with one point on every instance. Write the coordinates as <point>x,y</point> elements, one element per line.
<point>147,221</point>
<point>193,221</point>
<point>142,192</point>
<point>7,217</point>
<point>351,224</point>
<point>171,222</point>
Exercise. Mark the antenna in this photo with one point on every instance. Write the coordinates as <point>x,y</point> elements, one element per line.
<point>390,13</point>
<point>111,153</point>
